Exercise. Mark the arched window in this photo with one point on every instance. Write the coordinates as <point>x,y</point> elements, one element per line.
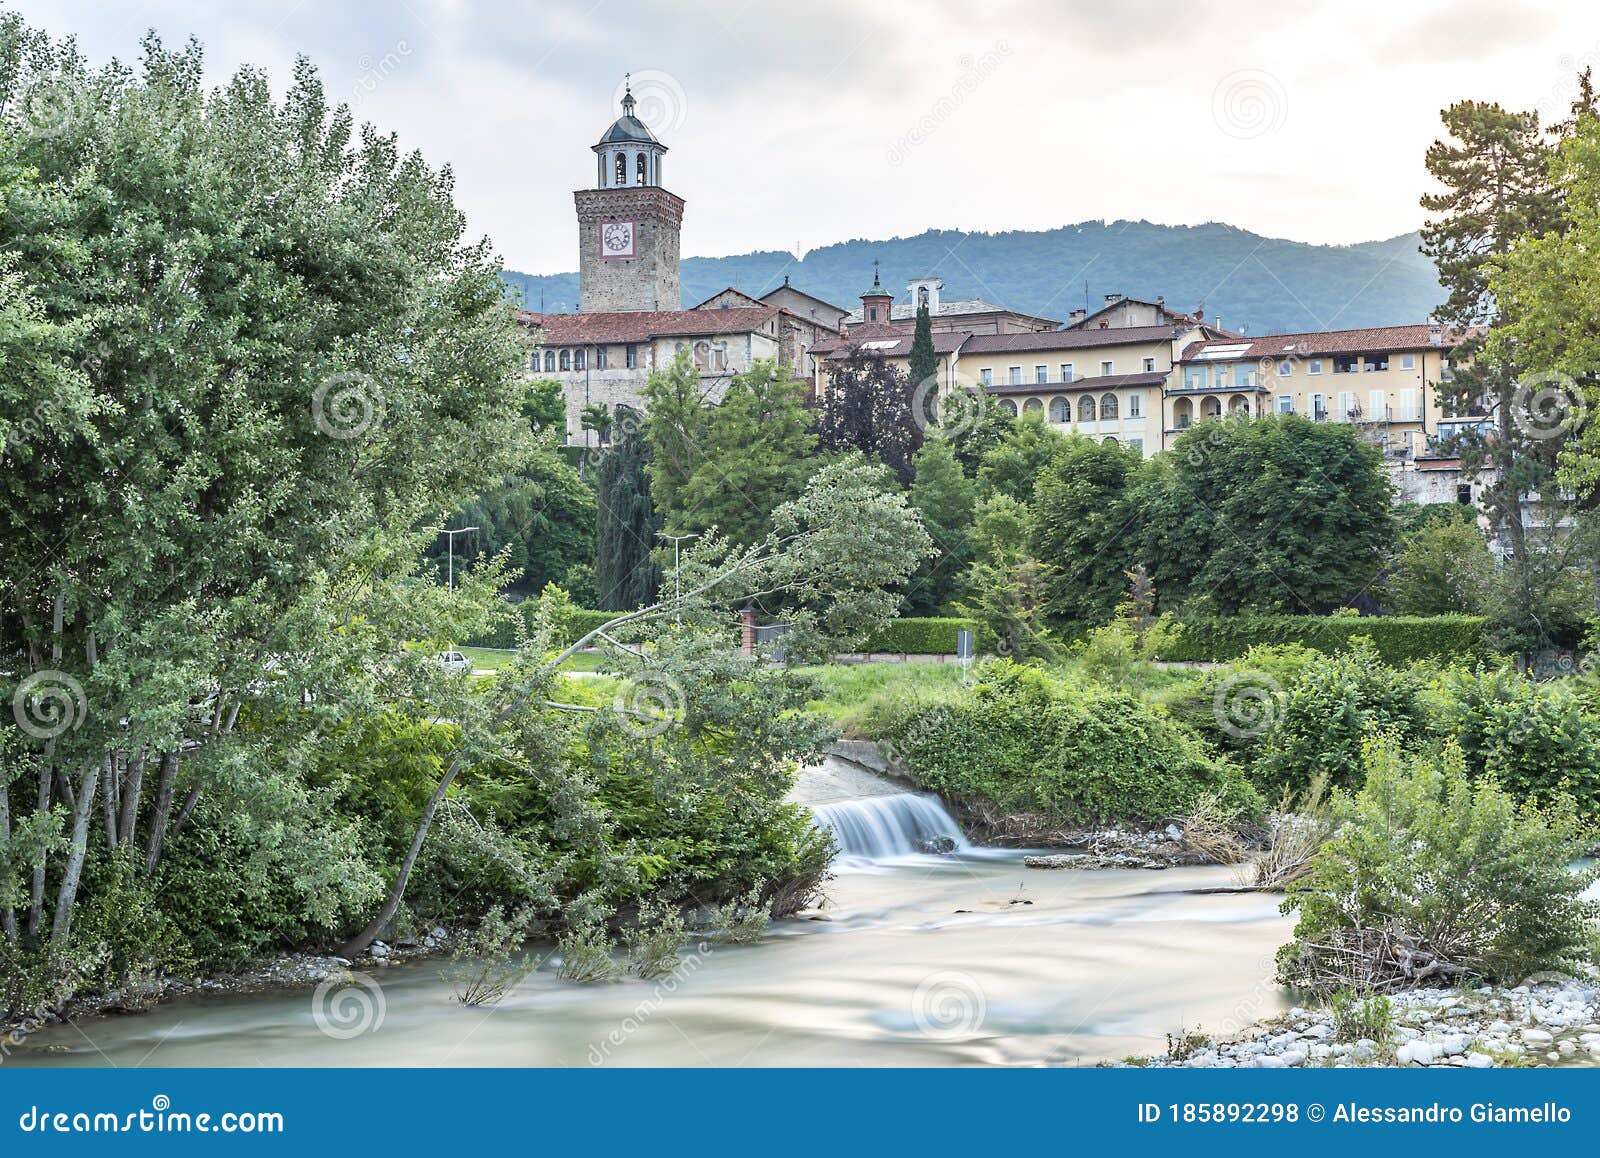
<point>641,169</point>
<point>1110,440</point>
<point>550,360</point>
<point>1008,408</point>
<point>622,169</point>
<point>566,359</point>
<point>1032,406</point>
<point>1060,409</point>
<point>1108,406</point>
<point>1086,408</point>
<point>1212,407</point>
<point>922,295</point>
<point>1239,404</point>
<point>1183,414</point>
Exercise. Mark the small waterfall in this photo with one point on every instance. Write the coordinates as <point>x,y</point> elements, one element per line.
<point>876,828</point>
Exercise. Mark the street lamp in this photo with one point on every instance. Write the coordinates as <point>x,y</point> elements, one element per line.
<point>452,534</point>
<point>677,585</point>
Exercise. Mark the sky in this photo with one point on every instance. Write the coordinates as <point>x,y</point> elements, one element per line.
<point>791,126</point>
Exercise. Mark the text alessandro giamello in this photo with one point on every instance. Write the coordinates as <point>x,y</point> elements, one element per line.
<point>1351,1113</point>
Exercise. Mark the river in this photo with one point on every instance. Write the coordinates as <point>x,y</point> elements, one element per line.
<point>966,958</point>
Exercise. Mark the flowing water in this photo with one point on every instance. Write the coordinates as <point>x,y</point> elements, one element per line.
<point>962,958</point>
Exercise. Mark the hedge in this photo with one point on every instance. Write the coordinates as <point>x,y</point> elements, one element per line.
<point>913,636</point>
<point>1400,638</point>
<point>575,624</point>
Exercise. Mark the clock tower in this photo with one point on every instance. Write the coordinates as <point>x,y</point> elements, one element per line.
<point>628,224</point>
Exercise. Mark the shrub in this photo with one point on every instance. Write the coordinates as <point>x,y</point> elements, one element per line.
<point>1533,738</point>
<point>913,636</point>
<point>486,963</point>
<point>1399,639</point>
<point>654,942</point>
<point>1325,713</point>
<point>585,954</point>
<point>1025,741</point>
<point>572,624</point>
<point>1358,1018</point>
<point>1433,879</point>
<point>742,920</point>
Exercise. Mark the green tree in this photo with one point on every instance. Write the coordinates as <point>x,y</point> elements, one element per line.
<point>1278,514</point>
<point>677,411</point>
<point>542,517</point>
<point>1024,452</point>
<point>1495,172</point>
<point>1443,569</point>
<point>282,344</point>
<point>923,364</point>
<point>625,531</point>
<point>544,405</point>
<point>753,454</point>
<point>1084,529</point>
<point>944,498</point>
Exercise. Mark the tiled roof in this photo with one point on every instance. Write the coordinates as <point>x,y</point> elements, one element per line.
<point>905,311</point>
<point>802,293</point>
<point>1066,339</point>
<point>1374,339</point>
<point>866,338</point>
<point>642,325</point>
<point>1102,382</point>
<point>755,303</point>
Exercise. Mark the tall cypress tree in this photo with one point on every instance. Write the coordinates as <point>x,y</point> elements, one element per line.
<point>924,363</point>
<point>625,531</point>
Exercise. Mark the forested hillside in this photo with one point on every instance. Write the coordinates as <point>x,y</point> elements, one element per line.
<point>1257,282</point>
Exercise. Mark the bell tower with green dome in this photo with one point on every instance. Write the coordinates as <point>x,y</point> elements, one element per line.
<point>628,224</point>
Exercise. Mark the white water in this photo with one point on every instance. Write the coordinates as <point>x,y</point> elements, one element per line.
<point>880,828</point>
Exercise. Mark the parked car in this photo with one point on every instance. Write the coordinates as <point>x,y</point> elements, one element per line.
<point>454,661</point>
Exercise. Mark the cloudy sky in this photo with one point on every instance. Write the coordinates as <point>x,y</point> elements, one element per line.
<point>795,125</point>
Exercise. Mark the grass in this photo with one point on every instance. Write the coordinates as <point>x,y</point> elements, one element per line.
<point>495,658</point>
<point>848,689</point>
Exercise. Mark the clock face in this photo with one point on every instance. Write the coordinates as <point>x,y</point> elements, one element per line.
<point>616,239</point>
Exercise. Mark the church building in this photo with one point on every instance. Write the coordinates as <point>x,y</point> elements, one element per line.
<point>631,318</point>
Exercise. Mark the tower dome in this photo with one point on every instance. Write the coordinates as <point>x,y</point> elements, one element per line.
<point>628,152</point>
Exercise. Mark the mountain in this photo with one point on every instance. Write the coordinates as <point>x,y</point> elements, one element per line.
<point>1265,284</point>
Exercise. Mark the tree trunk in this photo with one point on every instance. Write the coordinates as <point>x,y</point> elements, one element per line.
<point>108,807</point>
<point>358,944</point>
<point>183,813</point>
<point>8,917</point>
<point>36,895</point>
<point>133,786</point>
<point>67,897</point>
<point>165,786</point>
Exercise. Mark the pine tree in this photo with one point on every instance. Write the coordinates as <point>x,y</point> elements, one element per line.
<point>625,531</point>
